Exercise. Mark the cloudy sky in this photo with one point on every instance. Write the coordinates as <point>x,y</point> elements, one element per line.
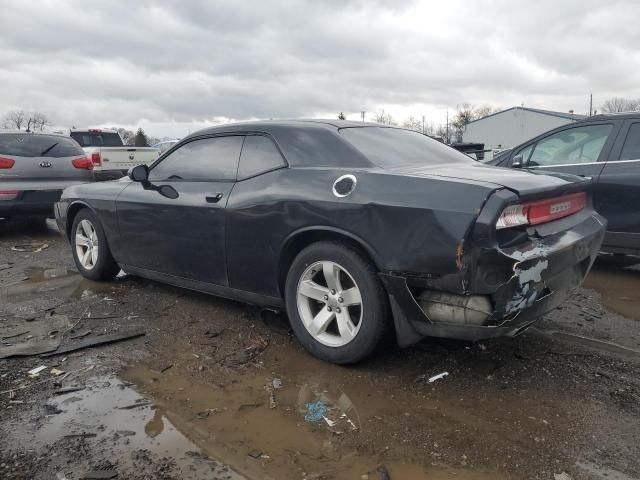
<point>175,66</point>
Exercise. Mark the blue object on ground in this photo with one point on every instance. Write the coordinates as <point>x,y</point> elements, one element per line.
<point>315,411</point>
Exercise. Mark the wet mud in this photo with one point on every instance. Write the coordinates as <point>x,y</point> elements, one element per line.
<point>219,390</point>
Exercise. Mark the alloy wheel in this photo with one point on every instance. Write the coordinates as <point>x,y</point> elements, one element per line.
<point>329,303</point>
<point>87,244</point>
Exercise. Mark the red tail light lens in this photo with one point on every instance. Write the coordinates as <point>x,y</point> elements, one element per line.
<point>6,162</point>
<point>95,159</point>
<point>8,194</point>
<point>542,211</point>
<point>83,163</point>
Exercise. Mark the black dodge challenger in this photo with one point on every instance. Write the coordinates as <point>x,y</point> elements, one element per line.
<point>359,231</point>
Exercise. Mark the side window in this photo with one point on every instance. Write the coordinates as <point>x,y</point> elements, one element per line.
<point>525,153</point>
<point>573,145</point>
<point>631,148</point>
<point>259,154</point>
<point>206,159</point>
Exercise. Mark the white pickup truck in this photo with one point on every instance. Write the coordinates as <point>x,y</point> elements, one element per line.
<point>110,156</point>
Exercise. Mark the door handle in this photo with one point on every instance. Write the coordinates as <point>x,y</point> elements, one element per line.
<point>214,198</point>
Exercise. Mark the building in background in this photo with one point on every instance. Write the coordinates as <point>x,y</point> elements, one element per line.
<point>511,127</point>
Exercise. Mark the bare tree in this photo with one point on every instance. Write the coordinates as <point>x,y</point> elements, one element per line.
<point>621,104</point>
<point>15,119</point>
<point>482,111</point>
<point>466,113</point>
<point>413,123</point>
<point>445,133</point>
<point>37,121</point>
<point>384,118</point>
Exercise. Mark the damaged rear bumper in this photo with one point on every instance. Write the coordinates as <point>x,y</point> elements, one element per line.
<point>520,283</point>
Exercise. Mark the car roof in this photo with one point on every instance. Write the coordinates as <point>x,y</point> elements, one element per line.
<point>612,116</point>
<point>268,125</point>
<point>24,132</point>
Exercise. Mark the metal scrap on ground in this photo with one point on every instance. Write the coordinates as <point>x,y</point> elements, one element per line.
<point>95,341</point>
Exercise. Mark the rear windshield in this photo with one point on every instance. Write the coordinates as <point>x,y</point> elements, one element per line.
<point>33,145</point>
<point>97,139</point>
<point>394,147</point>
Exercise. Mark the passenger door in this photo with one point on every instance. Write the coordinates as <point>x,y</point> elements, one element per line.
<point>619,187</point>
<point>184,236</point>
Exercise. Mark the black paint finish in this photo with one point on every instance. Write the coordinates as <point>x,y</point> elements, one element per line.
<point>428,226</point>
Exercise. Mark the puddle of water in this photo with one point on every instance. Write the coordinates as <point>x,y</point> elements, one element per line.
<point>235,422</point>
<point>36,275</point>
<point>620,289</point>
<point>117,431</point>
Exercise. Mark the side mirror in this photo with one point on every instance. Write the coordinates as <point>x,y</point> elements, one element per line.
<point>139,173</point>
<point>517,162</point>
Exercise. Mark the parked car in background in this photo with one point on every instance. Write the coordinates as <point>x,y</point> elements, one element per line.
<point>341,223</point>
<point>35,168</point>
<point>110,156</point>
<point>164,146</point>
<point>605,148</point>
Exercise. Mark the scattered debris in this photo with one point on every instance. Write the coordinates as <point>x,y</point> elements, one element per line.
<point>165,368</point>
<point>126,433</point>
<point>14,335</point>
<point>100,474</point>
<point>51,409</point>
<point>255,454</point>
<point>438,377</point>
<point>56,371</point>
<point>383,473</point>
<point>272,397</point>
<point>62,391</point>
<point>35,371</point>
<point>80,335</point>
<point>277,383</point>
<point>32,247</point>
<point>562,476</point>
<point>95,341</point>
<point>28,349</point>
<point>315,411</point>
<point>139,403</point>
<point>80,435</point>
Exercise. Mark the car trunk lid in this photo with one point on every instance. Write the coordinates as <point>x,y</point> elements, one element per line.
<point>527,185</point>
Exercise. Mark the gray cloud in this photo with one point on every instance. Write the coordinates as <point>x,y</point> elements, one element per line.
<point>194,62</point>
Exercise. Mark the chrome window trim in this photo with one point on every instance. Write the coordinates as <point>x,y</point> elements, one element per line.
<point>587,163</point>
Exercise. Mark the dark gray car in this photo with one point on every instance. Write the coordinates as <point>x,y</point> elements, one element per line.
<point>604,148</point>
<point>35,168</point>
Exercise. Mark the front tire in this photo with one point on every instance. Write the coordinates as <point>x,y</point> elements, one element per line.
<point>90,249</point>
<point>336,304</point>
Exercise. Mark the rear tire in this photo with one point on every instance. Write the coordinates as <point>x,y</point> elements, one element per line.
<point>90,249</point>
<point>336,303</point>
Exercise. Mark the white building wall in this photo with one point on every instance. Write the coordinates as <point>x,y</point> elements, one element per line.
<point>510,128</point>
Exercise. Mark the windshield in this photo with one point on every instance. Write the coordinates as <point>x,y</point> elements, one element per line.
<point>97,139</point>
<point>33,145</point>
<point>394,147</point>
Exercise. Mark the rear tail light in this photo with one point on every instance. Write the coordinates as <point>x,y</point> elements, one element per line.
<point>96,159</point>
<point>83,163</point>
<point>8,194</point>
<point>542,211</point>
<point>6,162</point>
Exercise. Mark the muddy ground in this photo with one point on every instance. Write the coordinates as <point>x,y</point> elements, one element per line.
<point>219,390</point>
